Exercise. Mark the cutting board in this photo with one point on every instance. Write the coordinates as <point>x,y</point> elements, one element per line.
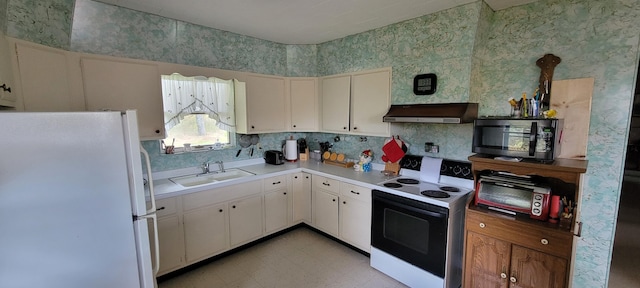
<point>572,101</point>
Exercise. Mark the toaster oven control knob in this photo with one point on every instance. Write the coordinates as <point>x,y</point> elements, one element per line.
<point>537,197</point>
<point>537,204</point>
<point>544,241</point>
<point>536,211</point>
<point>482,225</point>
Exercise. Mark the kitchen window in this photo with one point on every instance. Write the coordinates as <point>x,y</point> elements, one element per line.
<point>198,112</point>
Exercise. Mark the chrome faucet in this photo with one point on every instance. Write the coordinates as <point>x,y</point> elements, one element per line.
<point>205,168</point>
<point>220,166</point>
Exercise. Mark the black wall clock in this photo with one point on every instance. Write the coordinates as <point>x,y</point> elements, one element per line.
<point>425,84</point>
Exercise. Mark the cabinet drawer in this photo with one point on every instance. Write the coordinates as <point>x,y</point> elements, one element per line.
<point>355,192</point>
<point>166,206</point>
<point>326,184</point>
<point>222,194</point>
<point>275,183</point>
<point>544,239</point>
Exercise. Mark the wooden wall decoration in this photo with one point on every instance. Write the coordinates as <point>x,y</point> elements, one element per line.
<point>572,100</point>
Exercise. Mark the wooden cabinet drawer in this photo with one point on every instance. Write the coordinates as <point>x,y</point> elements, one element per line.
<point>167,206</point>
<point>355,192</point>
<point>275,183</point>
<point>326,184</point>
<point>537,237</point>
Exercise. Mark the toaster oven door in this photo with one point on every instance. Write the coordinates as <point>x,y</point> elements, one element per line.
<point>504,196</point>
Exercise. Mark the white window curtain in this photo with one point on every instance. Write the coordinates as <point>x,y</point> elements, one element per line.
<point>187,95</point>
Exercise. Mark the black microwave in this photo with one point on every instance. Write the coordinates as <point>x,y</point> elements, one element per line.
<point>531,138</point>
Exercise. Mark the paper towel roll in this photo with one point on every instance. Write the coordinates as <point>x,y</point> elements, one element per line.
<point>291,150</point>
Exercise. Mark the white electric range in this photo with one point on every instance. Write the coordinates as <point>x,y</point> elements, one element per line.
<point>417,226</point>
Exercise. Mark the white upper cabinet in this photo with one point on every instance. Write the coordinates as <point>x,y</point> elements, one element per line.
<point>355,103</point>
<point>263,108</point>
<point>119,85</point>
<point>7,91</point>
<point>303,94</point>
<point>336,91</point>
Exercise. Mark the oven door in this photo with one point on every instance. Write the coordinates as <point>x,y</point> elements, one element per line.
<point>413,231</point>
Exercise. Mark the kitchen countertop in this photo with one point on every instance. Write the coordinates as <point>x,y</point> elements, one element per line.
<point>165,188</point>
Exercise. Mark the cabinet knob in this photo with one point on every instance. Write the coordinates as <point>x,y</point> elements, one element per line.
<point>307,177</point>
<point>285,193</point>
<point>355,128</point>
<point>544,241</point>
<point>334,200</point>
<point>253,127</point>
<point>296,177</point>
<point>344,128</point>
<point>344,202</point>
<point>294,126</point>
<point>503,275</point>
<point>234,207</point>
<point>157,131</point>
<point>513,279</point>
<point>220,210</point>
<point>482,225</point>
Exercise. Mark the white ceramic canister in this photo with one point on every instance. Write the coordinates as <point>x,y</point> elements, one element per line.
<point>291,150</point>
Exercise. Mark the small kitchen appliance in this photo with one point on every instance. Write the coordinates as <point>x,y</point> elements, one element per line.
<point>513,194</point>
<point>533,138</point>
<point>273,157</point>
<point>291,150</point>
<point>74,212</point>
<point>417,226</point>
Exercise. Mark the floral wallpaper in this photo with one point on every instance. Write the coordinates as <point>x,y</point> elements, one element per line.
<point>479,55</point>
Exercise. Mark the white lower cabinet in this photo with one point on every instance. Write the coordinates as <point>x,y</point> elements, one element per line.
<point>301,189</point>
<point>170,236</point>
<point>245,220</point>
<point>276,204</point>
<point>205,232</point>
<point>342,210</point>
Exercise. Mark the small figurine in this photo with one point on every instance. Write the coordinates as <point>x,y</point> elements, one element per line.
<point>365,161</point>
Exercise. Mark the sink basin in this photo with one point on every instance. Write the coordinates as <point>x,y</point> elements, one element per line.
<point>201,179</point>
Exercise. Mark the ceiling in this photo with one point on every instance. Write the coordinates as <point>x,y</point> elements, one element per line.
<point>298,21</point>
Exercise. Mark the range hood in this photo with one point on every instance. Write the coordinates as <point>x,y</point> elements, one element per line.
<point>454,113</point>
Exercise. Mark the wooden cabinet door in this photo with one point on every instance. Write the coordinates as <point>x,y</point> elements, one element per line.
<point>355,223</point>
<point>276,212</point>
<point>533,269</point>
<point>336,94</point>
<point>325,211</point>
<point>171,242</point>
<point>120,85</point>
<point>304,104</point>
<point>265,104</point>
<point>370,100</point>
<point>301,185</point>
<point>44,79</point>
<point>205,232</point>
<point>245,220</point>
<point>486,262</point>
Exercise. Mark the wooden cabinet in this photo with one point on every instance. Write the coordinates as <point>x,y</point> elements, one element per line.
<point>355,215</point>
<point>507,251</point>
<point>170,235</point>
<point>245,220</point>
<point>301,186</point>
<point>205,232</point>
<point>355,103</point>
<point>118,84</point>
<point>262,109</point>
<point>7,91</point>
<point>276,204</point>
<point>303,95</point>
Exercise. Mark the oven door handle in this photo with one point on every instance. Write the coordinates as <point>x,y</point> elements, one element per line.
<point>533,138</point>
<point>411,208</point>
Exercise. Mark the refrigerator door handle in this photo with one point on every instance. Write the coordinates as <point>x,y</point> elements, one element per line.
<point>151,213</point>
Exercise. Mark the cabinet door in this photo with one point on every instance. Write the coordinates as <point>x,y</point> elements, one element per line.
<point>370,100</point>
<point>205,232</point>
<point>355,223</point>
<point>44,79</point>
<point>6,76</point>
<point>304,104</point>
<point>533,269</point>
<point>336,92</point>
<point>301,183</point>
<point>171,242</point>
<point>265,104</point>
<point>245,220</point>
<point>118,85</point>
<point>276,212</point>
<point>486,262</point>
<point>325,211</point>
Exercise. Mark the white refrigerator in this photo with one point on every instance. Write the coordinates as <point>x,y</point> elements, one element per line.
<point>73,209</point>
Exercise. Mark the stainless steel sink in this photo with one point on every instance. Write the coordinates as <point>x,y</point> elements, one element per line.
<point>202,179</point>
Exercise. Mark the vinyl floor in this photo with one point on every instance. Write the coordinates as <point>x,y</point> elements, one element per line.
<point>299,258</point>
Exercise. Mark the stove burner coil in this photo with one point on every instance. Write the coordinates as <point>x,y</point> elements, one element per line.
<point>407,181</point>
<point>450,189</point>
<point>435,194</point>
<point>392,185</point>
